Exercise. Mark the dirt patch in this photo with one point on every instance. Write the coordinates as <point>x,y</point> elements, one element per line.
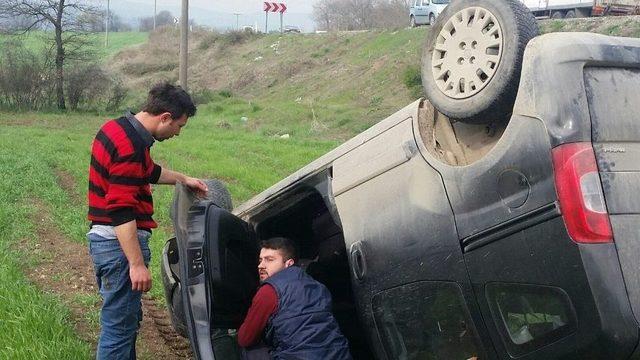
<point>73,281</point>
<point>66,181</point>
<point>22,122</point>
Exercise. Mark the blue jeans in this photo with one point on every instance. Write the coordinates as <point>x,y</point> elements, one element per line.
<point>121,311</point>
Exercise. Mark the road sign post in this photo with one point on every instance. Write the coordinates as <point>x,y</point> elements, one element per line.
<point>184,43</point>
<point>273,7</point>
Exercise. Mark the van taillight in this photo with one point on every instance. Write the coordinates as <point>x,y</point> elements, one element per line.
<point>580,193</point>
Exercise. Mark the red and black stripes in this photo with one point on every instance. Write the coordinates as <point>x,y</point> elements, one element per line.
<point>120,174</point>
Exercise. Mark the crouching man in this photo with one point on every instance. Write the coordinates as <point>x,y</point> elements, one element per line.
<point>291,311</point>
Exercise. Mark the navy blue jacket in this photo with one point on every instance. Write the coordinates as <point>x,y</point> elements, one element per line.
<point>303,326</point>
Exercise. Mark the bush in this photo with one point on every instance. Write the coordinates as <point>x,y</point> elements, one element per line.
<point>117,95</point>
<point>202,96</point>
<point>85,84</point>
<point>90,87</point>
<point>412,79</point>
<point>208,40</point>
<point>225,93</point>
<point>26,80</point>
<point>236,37</point>
<point>138,69</point>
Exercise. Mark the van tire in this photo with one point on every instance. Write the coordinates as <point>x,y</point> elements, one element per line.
<point>178,318</point>
<point>557,15</point>
<point>412,22</point>
<point>219,194</point>
<point>432,19</point>
<point>493,99</point>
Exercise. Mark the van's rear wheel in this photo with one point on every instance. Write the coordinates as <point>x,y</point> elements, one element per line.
<point>473,57</point>
<point>556,15</point>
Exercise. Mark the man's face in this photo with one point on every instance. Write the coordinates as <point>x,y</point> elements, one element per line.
<point>169,127</point>
<point>270,262</point>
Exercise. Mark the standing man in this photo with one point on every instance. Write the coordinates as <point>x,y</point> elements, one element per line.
<point>121,209</point>
<point>291,310</point>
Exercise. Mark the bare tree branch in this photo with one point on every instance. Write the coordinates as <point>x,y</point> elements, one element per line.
<point>65,17</point>
<point>360,14</point>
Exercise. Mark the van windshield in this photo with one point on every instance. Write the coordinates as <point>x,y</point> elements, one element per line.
<point>440,1</point>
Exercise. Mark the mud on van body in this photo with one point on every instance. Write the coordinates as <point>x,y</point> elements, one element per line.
<point>440,239</point>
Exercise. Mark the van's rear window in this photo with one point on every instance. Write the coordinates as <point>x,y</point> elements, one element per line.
<point>530,316</point>
<point>425,320</point>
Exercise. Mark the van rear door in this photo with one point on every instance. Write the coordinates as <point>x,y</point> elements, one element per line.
<point>613,95</point>
<point>218,262</point>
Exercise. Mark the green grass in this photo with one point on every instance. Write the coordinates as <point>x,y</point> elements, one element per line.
<point>117,42</point>
<point>33,325</point>
<point>37,41</point>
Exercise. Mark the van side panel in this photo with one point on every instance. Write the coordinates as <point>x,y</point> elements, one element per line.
<point>515,177</point>
<point>401,224</point>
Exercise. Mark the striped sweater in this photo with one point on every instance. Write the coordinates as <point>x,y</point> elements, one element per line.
<point>120,175</point>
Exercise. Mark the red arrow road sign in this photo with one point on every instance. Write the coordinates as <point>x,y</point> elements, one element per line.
<point>274,7</point>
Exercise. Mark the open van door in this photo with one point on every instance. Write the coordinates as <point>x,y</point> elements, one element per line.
<point>218,261</point>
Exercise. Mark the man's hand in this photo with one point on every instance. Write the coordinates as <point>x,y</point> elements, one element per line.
<point>197,186</point>
<point>140,278</point>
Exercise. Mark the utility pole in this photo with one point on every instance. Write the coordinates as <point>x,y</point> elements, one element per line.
<point>154,13</point>
<point>106,26</point>
<point>184,43</point>
<point>237,20</point>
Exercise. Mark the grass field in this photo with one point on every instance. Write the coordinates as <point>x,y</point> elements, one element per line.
<point>39,40</point>
<point>36,147</point>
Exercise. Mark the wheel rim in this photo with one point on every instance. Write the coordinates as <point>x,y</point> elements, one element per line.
<point>467,52</point>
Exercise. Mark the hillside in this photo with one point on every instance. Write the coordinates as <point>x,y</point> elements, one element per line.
<point>314,85</point>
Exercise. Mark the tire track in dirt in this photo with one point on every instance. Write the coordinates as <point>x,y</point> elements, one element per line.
<point>64,268</point>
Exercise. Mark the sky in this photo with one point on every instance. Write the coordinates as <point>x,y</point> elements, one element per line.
<point>246,6</point>
<point>219,13</point>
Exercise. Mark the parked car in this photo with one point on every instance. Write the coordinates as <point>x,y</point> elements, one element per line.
<point>423,12</point>
<point>509,232</point>
<point>291,29</point>
<point>249,29</point>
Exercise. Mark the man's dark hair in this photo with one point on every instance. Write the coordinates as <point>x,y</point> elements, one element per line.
<point>284,245</point>
<point>165,97</point>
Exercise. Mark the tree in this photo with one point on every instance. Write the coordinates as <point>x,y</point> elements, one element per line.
<point>163,18</point>
<point>323,14</point>
<point>95,23</point>
<point>360,14</point>
<point>64,17</point>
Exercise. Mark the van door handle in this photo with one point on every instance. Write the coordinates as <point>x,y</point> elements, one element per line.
<point>358,262</point>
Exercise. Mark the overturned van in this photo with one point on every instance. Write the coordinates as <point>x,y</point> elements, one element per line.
<point>517,237</point>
